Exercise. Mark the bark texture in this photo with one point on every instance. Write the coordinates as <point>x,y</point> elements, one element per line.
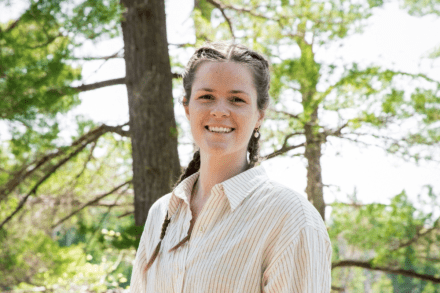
<point>308,78</point>
<point>149,85</point>
<point>314,189</point>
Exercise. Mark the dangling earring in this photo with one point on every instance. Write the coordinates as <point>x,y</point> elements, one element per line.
<point>257,132</point>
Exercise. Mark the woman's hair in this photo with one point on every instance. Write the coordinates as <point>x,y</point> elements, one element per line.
<point>223,52</point>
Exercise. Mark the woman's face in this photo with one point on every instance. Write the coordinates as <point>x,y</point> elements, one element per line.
<point>223,94</point>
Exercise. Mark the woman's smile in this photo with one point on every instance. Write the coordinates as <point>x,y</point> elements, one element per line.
<point>215,131</point>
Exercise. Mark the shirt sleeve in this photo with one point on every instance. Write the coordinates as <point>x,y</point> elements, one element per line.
<point>138,282</point>
<point>303,267</point>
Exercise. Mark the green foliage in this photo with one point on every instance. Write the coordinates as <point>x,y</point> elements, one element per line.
<point>35,50</point>
<point>202,23</point>
<point>434,53</point>
<point>420,8</point>
<point>95,19</point>
<point>80,252</point>
<point>368,100</point>
<point>397,235</point>
<point>34,76</point>
<point>39,258</point>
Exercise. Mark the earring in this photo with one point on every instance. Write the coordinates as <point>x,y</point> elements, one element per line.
<point>257,132</point>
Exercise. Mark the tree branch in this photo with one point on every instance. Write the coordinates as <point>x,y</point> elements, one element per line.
<point>339,289</point>
<point>24,172</point>
<point>337,132</point>
<point>18,177</point>
<point>89,158</point>
<point>110,82</point>
<point>220,6</point>
<point>186,45</point>
<point>14,24</point>
<point>362,142</point>
<point>176,75</point>
<point>101,84</point>
<point>117,129</point>
<point>367,265</point>
<point>51,171</point>
<point>282,151</point>
<point>94,201</point>
<point>241,9</point>
<point>289,136</point>
<point>105,204</point>
<point>417,236</point>
<point>284,112</point>
<point>113,56</point>
<point>126,214</point>
<point>90,58</point>
<point>352,204</point>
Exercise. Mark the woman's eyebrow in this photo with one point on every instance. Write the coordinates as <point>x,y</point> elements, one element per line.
<point>231,92</point>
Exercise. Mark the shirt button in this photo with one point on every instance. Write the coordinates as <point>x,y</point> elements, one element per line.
<point>202,229</point>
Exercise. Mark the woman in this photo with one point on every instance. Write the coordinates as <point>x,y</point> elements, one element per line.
<point>227,227</point>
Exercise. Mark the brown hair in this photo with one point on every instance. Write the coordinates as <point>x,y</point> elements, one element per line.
<point>223,52</point>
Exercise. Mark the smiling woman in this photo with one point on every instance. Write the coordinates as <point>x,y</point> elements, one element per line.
<point>223,95</point>
<point>251,234</point>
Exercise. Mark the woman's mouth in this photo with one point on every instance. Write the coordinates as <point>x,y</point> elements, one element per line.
<point>219,130</point>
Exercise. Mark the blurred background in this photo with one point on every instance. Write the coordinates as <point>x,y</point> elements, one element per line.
<point>353,125</point>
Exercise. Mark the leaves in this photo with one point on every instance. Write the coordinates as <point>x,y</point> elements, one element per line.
<point>392,235</point>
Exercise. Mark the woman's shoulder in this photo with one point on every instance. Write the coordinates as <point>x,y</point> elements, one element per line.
<point>159,208</point>
<point>293,206</point>
<point>161,203</point>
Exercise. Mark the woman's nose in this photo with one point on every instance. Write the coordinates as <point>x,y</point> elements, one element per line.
<point>220,109</point>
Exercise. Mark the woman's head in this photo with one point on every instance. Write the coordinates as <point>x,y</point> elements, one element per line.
<point>224,52</point>
<point>209,65</point>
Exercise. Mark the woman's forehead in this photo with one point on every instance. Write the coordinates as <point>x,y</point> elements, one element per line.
<point>233,75</point>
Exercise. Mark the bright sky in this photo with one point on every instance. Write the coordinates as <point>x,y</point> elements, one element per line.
<point>392,38</point>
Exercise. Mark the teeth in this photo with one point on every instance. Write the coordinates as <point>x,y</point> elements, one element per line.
<point>219,129</point>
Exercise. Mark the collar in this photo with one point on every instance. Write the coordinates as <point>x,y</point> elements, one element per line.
<point>236,188</point>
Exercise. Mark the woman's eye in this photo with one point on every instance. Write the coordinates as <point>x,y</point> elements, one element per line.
<point>234,99</point>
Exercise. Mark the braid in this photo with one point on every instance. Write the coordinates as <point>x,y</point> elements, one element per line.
<point>156,251</point>
<point>192,168</point>
<point>254,150</point>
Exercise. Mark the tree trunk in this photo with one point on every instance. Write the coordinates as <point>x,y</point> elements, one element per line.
<point>149,86</point>
<point>312,153</point>
<point>308,77</point>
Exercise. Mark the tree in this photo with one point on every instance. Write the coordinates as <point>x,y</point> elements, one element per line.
<point>149,85</point>
<point>45,180</point>
<point>398,239</point>
<point>35,85</point>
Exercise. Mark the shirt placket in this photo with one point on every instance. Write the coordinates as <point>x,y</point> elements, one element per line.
<point>181,253</point>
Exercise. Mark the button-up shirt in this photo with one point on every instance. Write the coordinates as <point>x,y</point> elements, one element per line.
<point>252,235</point>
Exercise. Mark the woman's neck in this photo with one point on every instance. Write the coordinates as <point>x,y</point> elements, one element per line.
<point>216,170</point>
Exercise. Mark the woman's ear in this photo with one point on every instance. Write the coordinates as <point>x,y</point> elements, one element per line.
<point>261,119</point>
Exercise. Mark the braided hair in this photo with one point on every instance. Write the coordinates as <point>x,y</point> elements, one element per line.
<point>223,52</point>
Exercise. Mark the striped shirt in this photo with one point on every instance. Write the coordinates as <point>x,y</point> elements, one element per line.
<point>252,235</point>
